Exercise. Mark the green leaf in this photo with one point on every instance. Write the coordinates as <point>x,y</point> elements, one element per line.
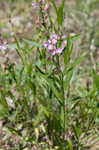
<point>54,5</point>
<point>47,81</point>
<point>17,43</point>
<point>75,36</point>
<point>2,25</point>
<point>60,13</point>
<point>95,79</point>
<point>79,60</point>
<point>70,144</point>
<point>33,43</point>
<point>56,92</point>
<point>14,45</point>
<point>68,51</point>
<point>14,131</point>
<point>68,77</point>
<point>68,72</point>
<point>4,103</point>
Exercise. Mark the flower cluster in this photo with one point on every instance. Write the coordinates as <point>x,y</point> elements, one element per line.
<point>37,5</point>
<point>41,7</point>
<point>52,45</point>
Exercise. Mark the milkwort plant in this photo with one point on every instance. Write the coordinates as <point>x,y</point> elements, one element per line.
<point>35,94</point>
<point>54,71</point>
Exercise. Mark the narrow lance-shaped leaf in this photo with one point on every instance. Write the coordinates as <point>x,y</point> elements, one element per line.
<point>67,78</point>
<point>54,5</point>
<point>60,13</point>
<point>33,43</point>
<point>57,94</point>
<point>70,144</point>
<point>68,51</point>
<point>96,79</point>
<point>4,103</point>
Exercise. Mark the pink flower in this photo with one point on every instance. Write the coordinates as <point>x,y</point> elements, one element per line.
<point>54,41</point>
<point>50,47</point>
<point>35,5</point>
<point>52,52</point>
<point>46,44</point>
<point>3,47</point>
<point>59,50</point>
<point>55,36</point>
<point>46,7</point>
<point>55,51</point>
<point>64,36</point>
<point>64,44</point>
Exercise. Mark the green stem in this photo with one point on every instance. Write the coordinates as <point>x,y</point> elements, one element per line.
<point>63,93</point>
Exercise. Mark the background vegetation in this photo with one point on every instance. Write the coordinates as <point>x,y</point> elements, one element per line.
<point>49,102</point>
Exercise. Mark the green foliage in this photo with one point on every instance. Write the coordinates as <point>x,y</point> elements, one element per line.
<point>45,99</point>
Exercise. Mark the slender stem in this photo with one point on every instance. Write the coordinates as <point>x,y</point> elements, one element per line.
<point>93,60</point>
<point>63,93</point>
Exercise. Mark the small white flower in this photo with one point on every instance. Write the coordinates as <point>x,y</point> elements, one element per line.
<point>10,102</point>
<point>72,34</point>
<point>49,41</point>
<point>3,47</point>
<point>35,5</point>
